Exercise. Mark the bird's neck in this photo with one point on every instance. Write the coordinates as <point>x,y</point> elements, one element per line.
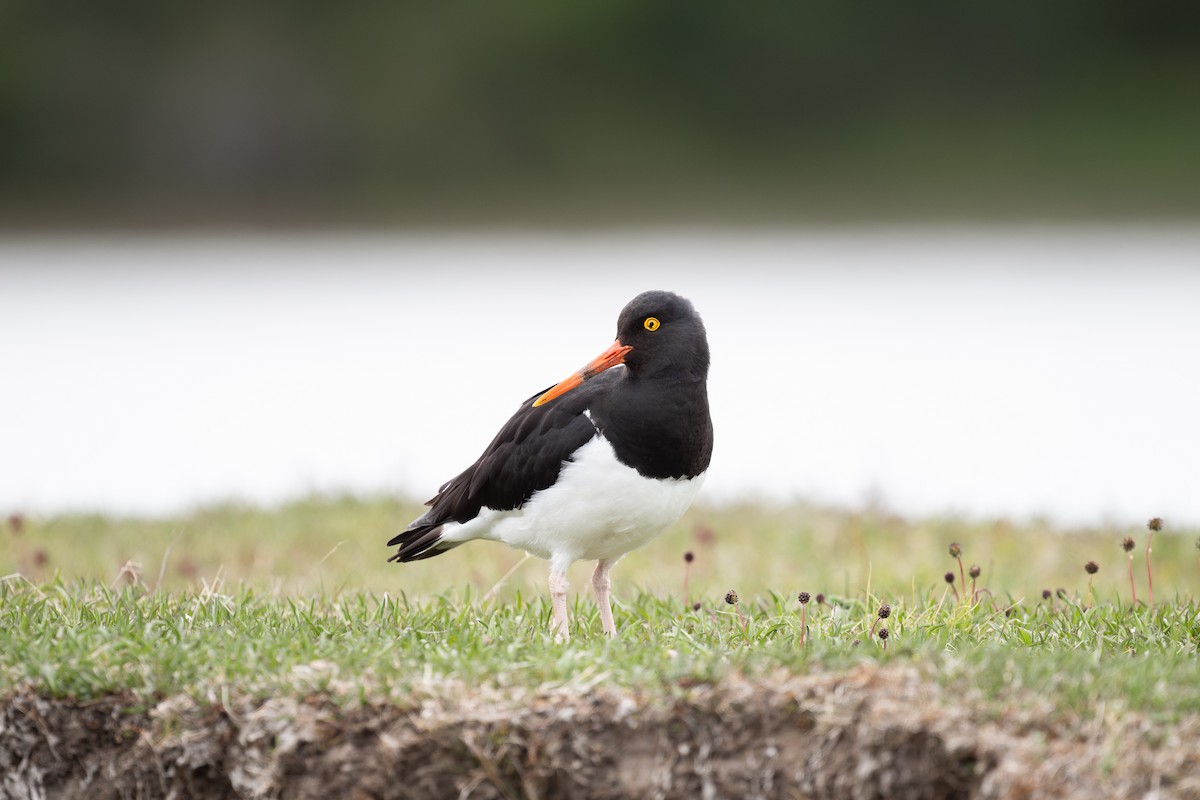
<point>658,424</point>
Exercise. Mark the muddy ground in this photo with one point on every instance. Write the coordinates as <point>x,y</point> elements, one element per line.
<point>869,733</point>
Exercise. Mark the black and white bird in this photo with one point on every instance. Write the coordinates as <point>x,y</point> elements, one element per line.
<point>595,466</point>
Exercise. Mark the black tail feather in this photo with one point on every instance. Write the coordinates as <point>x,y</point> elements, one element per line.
<point>418,542</point>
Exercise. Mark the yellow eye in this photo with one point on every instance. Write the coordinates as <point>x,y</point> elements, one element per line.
<point>651,323</point>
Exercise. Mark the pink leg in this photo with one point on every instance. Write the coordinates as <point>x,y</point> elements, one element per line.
<point>601,584</point>
<point>559,624</point>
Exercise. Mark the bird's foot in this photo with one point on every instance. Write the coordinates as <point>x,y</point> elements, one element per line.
<point>559,624</point>
<point>602,585</point>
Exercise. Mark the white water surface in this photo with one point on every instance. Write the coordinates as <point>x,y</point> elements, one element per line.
<point>993,372</point>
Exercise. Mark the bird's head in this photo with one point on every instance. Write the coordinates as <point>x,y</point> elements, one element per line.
<point>657,332</point>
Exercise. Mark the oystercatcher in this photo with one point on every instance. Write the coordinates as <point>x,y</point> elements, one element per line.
<point>595,466</point>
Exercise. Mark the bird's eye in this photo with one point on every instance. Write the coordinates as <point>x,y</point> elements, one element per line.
<point>651,323</point>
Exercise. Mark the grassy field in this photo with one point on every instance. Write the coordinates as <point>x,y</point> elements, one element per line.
<point>86,640</point>
<point>274,653</point>
<point>335,545</point>
<point>253,598</point>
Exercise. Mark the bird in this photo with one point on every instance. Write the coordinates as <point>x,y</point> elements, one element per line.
<point>593,467</point>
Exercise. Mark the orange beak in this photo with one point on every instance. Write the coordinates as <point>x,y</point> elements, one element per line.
<point>609,358</point>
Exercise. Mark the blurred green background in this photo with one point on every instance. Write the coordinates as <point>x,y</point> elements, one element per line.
<point>147,113</point>
<point>336,542</point>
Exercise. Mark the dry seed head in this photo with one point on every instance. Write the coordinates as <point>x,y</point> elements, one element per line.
<point>1155,524</point>
<point>804,597</point>
<point>1127,543</point>
<point>885,611</point>
<point>974,571</point>
<point>1091,567</point>
<point>689,557</point>
<point>883,634</point>
<point>731,597</point>
<point>1047,594</point>
<point>949,576</point>
<point>821,595</point>
<point>131,571</point>
<point>955,550</point>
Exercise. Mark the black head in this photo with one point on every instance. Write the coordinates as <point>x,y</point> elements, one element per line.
<point>665,333</point>
<point>658,334</point>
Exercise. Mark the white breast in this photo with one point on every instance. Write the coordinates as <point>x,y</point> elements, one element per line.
<point>598,508</point>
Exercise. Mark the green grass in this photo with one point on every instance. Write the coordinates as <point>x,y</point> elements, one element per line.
<point>299,599</point>
<point>84,640</point>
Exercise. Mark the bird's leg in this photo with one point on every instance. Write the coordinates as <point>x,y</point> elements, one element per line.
<point>601,584</point>
<point>559,624</point>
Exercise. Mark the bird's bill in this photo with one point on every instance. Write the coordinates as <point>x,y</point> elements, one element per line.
<point>614,355</point>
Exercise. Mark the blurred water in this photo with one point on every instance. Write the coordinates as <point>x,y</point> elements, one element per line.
<point>990,372</point>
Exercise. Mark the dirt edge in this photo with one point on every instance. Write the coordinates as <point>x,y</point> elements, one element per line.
<point>868,733</point>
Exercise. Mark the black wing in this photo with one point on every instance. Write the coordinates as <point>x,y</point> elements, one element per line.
<point>526,456</point>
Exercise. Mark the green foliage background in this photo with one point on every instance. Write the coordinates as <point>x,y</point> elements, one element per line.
<point>434,112</point>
